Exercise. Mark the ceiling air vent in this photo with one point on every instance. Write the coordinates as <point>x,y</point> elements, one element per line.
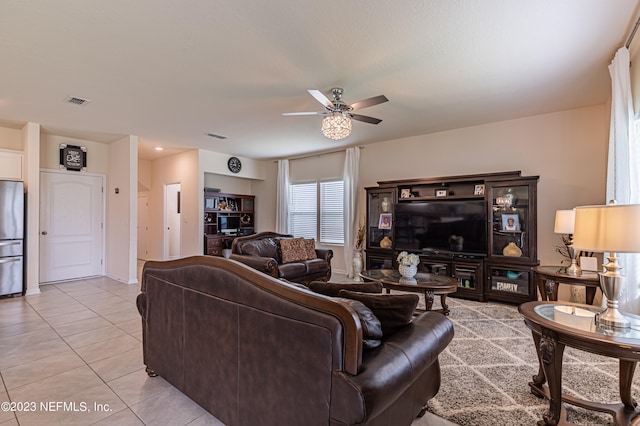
<point>76,101</point>
<point>213,135</point>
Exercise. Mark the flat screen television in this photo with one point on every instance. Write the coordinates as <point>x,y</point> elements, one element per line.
<point>228,224</point>
<point>458,226</point>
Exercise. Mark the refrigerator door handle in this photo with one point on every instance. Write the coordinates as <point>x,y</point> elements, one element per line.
<point>10,243</point>
<point>9,259</point>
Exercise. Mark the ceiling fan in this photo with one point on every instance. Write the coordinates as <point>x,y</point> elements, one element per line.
<point>337,122</point>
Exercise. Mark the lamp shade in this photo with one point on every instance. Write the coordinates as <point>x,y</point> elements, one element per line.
<point>613,228</point>
<point>565,220</point>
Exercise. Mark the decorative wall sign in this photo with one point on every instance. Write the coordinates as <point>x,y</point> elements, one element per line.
<point>73,157</point>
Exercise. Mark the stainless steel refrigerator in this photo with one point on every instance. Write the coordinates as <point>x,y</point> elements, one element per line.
<point>11,237</point>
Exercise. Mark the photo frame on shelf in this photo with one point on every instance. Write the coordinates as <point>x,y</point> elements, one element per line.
<point>441,193</point>
<point>405,193</point>
<point>478,189</point>
<point>510,222</point>
<point>385,221</point>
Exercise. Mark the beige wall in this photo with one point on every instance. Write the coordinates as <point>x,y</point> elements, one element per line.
<point>566,149</point>
<point>10,139</point>
<point>122,210</point>
<point>97,153</point>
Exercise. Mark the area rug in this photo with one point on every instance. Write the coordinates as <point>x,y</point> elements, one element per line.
<point>486,368</point>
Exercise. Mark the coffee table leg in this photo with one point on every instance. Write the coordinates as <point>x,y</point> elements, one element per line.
<point>443,302</point>
<point>428,299</point>
<point>551,352</point>
<point>627,368</point>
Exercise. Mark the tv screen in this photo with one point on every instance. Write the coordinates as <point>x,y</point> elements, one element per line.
<point>452,226</point>
<point>228,224</point>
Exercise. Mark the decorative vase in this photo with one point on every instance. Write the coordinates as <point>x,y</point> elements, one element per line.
<point>512,250</point>
<point>385,205</point>
<point>357,265</point>
<point>386,242</point>
<point>408,271</point>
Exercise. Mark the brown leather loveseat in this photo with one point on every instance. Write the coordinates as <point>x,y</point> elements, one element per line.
<point>252,349</point>
<point>262,251</point>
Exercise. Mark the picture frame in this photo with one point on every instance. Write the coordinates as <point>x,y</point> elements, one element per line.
<point>441,193</point>
<point>405,193</point>
<point>385,221</point>
<point>478,189</point>
<point>589,263</point>
<point>510,222</point>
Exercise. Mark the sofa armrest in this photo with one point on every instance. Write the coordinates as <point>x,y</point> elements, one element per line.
<point>267,265</point>
<point>326,254</point>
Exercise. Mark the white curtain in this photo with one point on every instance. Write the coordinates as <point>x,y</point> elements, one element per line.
<point>351,182</point>
<point>623,168</point>
<point>282,198</point>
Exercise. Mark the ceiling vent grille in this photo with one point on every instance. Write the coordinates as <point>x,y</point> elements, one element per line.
<point>76,101</point>
<point>213,135</point>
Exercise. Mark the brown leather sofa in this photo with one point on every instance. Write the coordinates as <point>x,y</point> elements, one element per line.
<point>251,349</point>
<point>261,251</point>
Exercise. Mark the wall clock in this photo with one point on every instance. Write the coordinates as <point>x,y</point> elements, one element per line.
<point>234,164</point>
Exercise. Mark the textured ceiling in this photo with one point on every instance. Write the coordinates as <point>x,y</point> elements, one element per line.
<point>170,72</point>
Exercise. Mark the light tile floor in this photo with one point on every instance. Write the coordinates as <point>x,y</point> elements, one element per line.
<point>72,355</point>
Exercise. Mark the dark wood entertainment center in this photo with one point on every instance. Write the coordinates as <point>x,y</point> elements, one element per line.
<point>480,229</point>
<point>221,210</point>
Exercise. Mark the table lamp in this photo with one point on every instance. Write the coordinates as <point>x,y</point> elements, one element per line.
<point>609,229</point>
<point>565,222</point>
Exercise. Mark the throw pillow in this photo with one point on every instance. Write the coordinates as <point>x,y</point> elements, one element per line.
<point>293,250</point>
<point>310,248</point>
<point>371,328</point>
<point>393,310</point>
<point>332,289</point>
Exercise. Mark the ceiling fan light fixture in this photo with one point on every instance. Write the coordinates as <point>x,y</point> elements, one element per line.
<point>336,126</point>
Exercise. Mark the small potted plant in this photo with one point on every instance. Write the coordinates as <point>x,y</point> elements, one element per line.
<point>408,264</point>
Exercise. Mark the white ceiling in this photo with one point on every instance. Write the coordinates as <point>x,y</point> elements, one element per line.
<point>172,71</point>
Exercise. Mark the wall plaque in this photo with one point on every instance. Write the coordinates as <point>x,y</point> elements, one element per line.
<point>73,157</point>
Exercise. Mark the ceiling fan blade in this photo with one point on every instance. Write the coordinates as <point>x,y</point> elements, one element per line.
<point>320,97</point>
<point>365,118</point>
<point>302,113</point>
<point>368,102</point>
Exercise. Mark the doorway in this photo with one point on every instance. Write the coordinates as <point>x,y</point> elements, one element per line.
<point>173,231</point>
<point>71,226</point>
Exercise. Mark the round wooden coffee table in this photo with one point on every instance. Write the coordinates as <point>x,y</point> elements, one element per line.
<point>428,284</point>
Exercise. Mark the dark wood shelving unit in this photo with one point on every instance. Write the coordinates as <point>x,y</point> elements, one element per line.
<point>219,205</point>
<point>487,274</point>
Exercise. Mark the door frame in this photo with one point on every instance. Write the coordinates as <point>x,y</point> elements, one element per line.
<point>165,233</point>
<point>103,248</point>
<point>146,242</point>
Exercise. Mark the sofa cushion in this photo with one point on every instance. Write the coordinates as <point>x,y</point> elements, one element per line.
<point>310,248</point>
<point>393,310</point>
<point>316,266</point>
<point>371,327</point>
<point>332,289</point>
<point>293,250</point>
<point>292,271</point>
<point>266,247</point>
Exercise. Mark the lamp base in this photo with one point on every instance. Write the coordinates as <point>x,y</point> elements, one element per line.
<point>573,269</point>
<point>611,285</point>
<point>612,318</point>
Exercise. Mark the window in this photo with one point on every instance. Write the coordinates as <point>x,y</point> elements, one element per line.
<point>308,221</point>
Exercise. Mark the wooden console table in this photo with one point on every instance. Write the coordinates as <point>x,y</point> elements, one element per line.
<point>551,333</point>
<point>548,277</point>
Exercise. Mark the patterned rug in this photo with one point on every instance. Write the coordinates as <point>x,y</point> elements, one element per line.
<point>486,368</point>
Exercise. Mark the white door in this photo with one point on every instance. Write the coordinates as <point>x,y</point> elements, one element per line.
<point>143,226</point>
<point>172,221</point>
<point>71,217</point>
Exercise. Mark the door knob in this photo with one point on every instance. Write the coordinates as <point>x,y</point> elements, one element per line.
<point>44,232</point>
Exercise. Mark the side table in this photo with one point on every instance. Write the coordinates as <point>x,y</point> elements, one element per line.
<point>553,331</point>
<point>548,277</point>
